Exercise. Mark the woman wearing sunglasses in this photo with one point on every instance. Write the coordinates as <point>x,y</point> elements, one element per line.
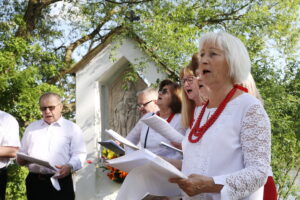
<point>169,103</point>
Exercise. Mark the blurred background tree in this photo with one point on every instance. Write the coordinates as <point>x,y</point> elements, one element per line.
<point>40,40</point>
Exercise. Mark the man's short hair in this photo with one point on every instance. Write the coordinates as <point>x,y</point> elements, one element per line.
<point>49,94</point>
<point>149,91</point>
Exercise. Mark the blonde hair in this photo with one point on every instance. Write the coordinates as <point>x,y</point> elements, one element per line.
<point>188,105</point>
<point>236,54</point>
<point>249,83</point>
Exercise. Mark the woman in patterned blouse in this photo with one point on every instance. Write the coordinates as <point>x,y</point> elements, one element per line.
<point>226,152</point>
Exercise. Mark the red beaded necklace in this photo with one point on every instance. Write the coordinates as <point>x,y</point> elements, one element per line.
<point>169,118</point>
<point>197,132</point>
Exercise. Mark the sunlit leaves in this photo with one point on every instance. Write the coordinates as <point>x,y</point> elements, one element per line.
<point>170,30</point>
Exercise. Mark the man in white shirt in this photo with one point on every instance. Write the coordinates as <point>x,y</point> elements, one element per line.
<point>58,141</point>
<point>146,100</point>
<point>9,145</point>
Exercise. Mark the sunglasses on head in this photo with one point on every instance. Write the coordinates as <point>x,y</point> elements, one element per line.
<point>163,91</point>
<point>51,108</point>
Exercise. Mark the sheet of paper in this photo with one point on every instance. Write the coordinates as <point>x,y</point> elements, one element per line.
<point>121,139</point>
<point>35,160</point>
<point>171,147</point>
<point>55,182</point>
<point>43,163</point>
<point>145,157</point>
<point>163,127</point>
<point>147,180</point>
<point>132,160</point>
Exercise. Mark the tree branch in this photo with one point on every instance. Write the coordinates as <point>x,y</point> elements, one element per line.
<point>91,45</point>
<point>292,183</point>
<point>74,45</point>
<point>60,47</point>
<point>225,16</point>
<point>65,70</point>
<point>216,21</point>
<point>236,10</point>
<point>32,15</point>
<point>128,2</point>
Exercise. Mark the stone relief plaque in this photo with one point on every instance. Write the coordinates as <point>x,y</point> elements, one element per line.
<point>123,105</point>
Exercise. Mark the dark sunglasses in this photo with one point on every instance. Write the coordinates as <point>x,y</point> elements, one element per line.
<point>51,108</point>
<point>144,104</point>
<point>163,91</point>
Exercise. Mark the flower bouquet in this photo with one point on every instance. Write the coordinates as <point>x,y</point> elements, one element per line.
<point>113,173</point>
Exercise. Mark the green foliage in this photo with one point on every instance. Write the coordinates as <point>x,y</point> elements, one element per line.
<point>170,30</point>
<point>25,69</point>
<point>282,104</point>
<point>16,189</point>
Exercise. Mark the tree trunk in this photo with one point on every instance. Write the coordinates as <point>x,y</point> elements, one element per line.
<point>31,17</point>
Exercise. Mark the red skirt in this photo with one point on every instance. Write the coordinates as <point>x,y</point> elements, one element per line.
<point>270,192</point>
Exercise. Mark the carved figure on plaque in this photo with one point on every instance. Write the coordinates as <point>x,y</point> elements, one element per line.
<point>125,113</point>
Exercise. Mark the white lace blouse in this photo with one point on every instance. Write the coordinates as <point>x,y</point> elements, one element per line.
<point>235,150</point>
<point>138,134</point>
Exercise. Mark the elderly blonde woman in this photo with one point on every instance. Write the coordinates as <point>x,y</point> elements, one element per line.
<point>226,153</point>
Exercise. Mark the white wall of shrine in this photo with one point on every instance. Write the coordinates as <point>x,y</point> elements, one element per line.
<point>92,82</point>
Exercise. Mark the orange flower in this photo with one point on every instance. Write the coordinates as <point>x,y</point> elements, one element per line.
<point>123,174</point>
<point>110,175</point>
<point>113,174</point>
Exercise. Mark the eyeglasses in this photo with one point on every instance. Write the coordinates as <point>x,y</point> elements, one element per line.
<point>51,108</point>
<point>144,104</point>
<point>163,91</point>
<point>189,80</point>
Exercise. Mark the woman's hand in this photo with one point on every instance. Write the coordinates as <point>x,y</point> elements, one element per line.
<point>177,145</point>
<point>176,163</point>
<point>197,184</point>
